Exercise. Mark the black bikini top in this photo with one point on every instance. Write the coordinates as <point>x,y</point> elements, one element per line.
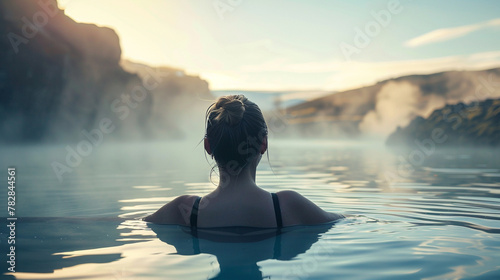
<point>277,212</point>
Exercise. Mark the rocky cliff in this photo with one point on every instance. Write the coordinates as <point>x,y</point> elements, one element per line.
<point>473,124</point>
<point>60,78</point>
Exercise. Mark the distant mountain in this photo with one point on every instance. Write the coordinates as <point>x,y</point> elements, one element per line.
<point>272,100</point>
<point>60,79</point>
<point>476,123</point>
<point>179,100</point>
<point>380,108</point>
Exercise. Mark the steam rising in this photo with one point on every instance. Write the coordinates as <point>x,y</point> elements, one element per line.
<point>396,105</point>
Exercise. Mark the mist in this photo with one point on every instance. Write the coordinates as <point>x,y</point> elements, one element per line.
<point>396,105</point>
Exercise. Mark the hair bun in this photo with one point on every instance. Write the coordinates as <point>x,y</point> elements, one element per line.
<point>230,109</point>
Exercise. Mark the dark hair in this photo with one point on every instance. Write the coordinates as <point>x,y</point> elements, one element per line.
<point>235,129</point>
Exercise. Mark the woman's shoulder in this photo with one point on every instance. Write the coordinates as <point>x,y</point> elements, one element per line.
<point>298,210</point>
<point>289,194</point>
<point>176,211</point>
<point>289,198</point>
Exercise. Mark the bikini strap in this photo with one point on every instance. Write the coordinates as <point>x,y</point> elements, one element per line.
<point>277,210</point>
<point>194,214</point>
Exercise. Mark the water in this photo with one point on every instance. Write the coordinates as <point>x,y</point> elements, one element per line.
<point>434,217</point>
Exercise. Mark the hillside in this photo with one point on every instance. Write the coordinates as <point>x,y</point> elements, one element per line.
<point>476,124</point>
<point>380,108</point>
<point>59,78</point>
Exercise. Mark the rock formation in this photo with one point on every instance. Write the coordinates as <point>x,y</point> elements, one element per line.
<point>60,78</point>
<point>474,124</point>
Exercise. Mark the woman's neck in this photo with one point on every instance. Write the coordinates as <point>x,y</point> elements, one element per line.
<point>245,178</point>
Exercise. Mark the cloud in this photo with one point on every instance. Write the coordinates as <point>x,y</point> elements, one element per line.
<point>344,75</point>
<point>445,34</point>
<point>356,74</point>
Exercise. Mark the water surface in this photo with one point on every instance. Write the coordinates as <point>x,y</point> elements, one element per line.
<point>435,218</point>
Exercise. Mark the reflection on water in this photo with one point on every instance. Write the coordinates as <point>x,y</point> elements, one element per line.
<point>434,219</point>
<point>239,250</point>
<point>59,248</point>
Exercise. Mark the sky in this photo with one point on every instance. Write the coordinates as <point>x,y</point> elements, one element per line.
<point>300,45</point>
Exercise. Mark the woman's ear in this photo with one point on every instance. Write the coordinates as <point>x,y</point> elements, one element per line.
<point>263,146</point>
<point>207,146</point>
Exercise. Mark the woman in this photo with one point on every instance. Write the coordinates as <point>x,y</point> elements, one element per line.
<point>236,137</point>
